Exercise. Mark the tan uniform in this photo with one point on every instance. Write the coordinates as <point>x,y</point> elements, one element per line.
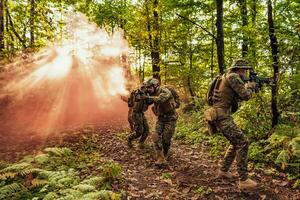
<point>229,89</point>
<point>164,108</point>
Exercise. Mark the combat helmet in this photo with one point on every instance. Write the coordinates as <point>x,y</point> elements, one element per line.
<point>151,82</point>
<point>241,64</point>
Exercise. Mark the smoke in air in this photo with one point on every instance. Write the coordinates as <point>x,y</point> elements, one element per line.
<point>75,83</point>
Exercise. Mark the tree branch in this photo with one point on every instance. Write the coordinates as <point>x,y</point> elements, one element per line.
<point>207,31</point>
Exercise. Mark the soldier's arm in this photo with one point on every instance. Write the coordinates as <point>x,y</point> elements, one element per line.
<point>164,96</point>
<point>124,98</point>
<point>238,85</point>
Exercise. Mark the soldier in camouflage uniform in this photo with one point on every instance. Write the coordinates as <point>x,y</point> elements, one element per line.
<point>231,88</point>
<point>164,109</point>
<point>140,127</point>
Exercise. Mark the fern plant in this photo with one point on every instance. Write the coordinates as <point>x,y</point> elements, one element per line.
<point>54,174</point>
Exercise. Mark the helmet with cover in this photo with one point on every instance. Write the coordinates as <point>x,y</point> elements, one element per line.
<point>241,64</point>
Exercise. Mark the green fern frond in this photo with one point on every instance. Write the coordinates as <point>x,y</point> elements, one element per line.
<point>7,175</point>
<point>55,151</point>
<point>17,167</point>
<point>9,190</point>
<point>29,171</point>
<point>41,158</point>
<point>84,188</point>
<point>51,196</point>
<point>38,182</point>
<point>103,195</point>
<point>94,181</point>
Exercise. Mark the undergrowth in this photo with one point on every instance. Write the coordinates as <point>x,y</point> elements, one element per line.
<point>278,147</point>
<point>59,174</point>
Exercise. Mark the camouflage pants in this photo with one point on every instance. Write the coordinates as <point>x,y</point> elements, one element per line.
<point>164,131</point>
<point>140,127</point>
<point>238,146</point>
<point>129,117</point>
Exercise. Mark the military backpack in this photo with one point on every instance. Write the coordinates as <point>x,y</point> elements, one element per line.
<point>210,91</point>
<point>175,95</point>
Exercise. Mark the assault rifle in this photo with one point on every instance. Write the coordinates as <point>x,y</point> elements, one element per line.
<point>260,81</point>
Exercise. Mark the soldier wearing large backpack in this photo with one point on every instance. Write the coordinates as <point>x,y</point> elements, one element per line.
<point>165,103</point>
<point>227,90</point>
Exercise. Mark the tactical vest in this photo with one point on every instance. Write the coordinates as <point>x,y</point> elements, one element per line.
<point>224,96</point>
<point>166,108</point>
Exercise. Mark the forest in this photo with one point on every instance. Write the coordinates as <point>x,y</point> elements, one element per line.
<point>65,66</point>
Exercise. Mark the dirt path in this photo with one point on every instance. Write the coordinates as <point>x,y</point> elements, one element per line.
<point>190,174</point>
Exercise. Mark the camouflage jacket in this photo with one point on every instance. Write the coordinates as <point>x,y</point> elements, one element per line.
<point>230,88</point>
<point>164,104</point>
<point>135,101</point>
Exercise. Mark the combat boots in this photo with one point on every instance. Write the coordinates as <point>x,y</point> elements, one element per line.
<point>247,185</point>
<point>160,158</point>
<point>141,145</point>
<point>222,174</point>
<point>129,143</point>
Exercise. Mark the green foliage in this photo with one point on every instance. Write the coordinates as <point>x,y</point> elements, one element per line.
<point>111,171</point>
<point>166,175</point>
<point>202,190</point>
<point>256,152</point>
<point>43,177</point>
<point>285,143</point>
<point>13,191</point>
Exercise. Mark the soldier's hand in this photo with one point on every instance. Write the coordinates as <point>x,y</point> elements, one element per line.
<point>251,85</point>
<point>143,97</point>
<point>153,98</point>
<point>124,98</point>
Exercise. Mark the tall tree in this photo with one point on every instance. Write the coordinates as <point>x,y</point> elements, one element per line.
<point>275,64</point>
<point>31,22</point>
<point>1,25</point>
<point>252,42</point>
<point>220,36</point>
<point>155,55</point>
<point>243,8</point>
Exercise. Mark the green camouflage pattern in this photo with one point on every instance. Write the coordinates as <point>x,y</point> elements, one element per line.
<point>164,106</point>
<point>238,146</point>
<point>164,132</point>
<point>140,127</point>
<point>137,120</point>
<point>232,88</point>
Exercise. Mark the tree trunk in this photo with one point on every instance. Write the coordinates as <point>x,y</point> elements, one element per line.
<point>155,51</point>
<point>1,26</point>
<point>31,22</point>
<point>274,48</point>
<point>212,46</point>
<point>189,79</point>
<point>243,7</point>
<point>252,42</point>
<point>220,36</point>
<point>11,24</point>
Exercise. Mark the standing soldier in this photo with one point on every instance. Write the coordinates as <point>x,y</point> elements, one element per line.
<point>164,109</point>
<point>229,89</point>
<point>140,127</point>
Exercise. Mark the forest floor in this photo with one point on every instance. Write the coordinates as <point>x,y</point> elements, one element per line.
<point>190,173</point>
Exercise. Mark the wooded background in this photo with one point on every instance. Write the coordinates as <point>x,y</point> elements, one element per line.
<point>186,43</point>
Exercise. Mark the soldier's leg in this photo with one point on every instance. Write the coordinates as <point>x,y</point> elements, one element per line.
<point>157,139</point>
<point>130,121</point>
<point>157,136</point>
<point>228,158</point>
<point>167,135</point>
<point>145,132</point>
<point>239,146</point>
<point>137,128</point>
